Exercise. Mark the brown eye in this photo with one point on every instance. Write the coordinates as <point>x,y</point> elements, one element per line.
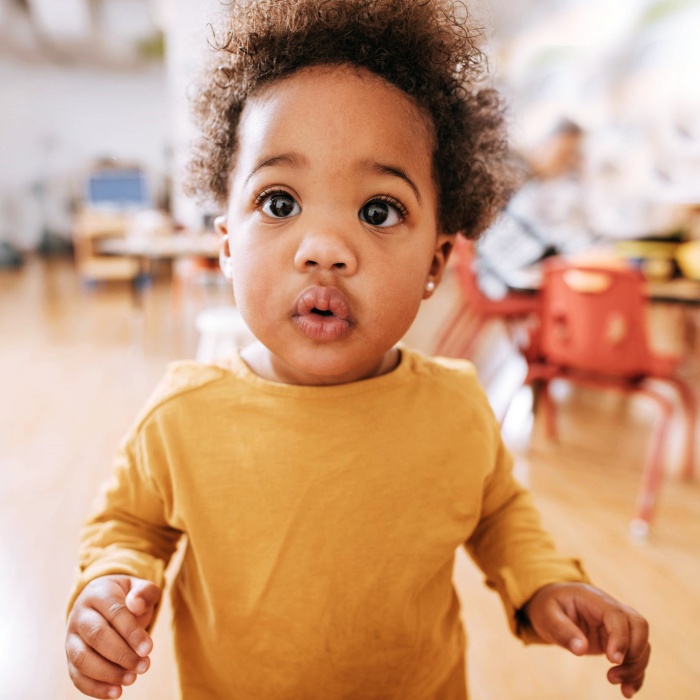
<point>380,213</point>
<point>280,206</point>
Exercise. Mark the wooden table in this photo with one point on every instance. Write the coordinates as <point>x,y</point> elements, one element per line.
<point>145,250</point>
<point>179,245</point>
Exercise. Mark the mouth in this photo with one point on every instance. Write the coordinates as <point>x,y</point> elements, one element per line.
<point>323,314</point>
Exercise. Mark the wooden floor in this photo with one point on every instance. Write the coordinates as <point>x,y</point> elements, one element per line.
<point>75,365</point>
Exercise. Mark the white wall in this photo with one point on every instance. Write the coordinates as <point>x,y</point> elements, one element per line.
<point>55,120</point>
<point>186,53</point>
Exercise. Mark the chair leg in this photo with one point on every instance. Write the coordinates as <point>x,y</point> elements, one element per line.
<point>469,343</point>
<point>544,398</point>
<point>653,473</point>
<point>690,410</point>
<point>460,333</point>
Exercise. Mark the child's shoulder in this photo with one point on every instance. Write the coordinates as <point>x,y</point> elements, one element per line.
<point>448,368</point>
<point>454,375</point>
<point>182,380</point>
<point>453,366</point>
<point>184,376</point>
<point>451,387</point>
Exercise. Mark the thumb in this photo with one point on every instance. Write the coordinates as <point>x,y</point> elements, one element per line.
<point>142,597</point>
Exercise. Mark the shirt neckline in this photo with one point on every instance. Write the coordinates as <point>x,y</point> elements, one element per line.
<point>396,376</point>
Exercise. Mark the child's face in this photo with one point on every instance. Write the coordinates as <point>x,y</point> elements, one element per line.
<point>332,225</point>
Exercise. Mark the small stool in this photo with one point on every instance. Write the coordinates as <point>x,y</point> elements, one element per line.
<point>221,332</point>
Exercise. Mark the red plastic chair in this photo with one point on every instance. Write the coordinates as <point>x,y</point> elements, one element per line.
<point>475,310</point>
<point>593,332</point>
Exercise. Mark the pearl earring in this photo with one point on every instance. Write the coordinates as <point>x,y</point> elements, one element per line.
<point>225,260</point>
<point>430,286</point>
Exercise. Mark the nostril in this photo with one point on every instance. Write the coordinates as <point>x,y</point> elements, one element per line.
<point>340,266</point>
<point>335,266</point>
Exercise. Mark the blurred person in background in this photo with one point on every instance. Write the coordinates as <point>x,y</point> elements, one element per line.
<point>546,216</point>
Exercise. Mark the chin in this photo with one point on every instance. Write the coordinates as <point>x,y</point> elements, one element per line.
<point>328,366</point>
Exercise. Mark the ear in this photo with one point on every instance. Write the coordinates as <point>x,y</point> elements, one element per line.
<point>443,247</point>
<point>222,229</point>
<point>220,225</point>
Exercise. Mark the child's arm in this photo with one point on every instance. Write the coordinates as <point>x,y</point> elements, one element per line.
<point>125,548</point>
<point>129,531</point>
<point>585,620</point>
<point>547,596</point>
<point>511,547</point>
<point>106,642</point>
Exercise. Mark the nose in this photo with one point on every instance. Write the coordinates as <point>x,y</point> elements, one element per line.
<point>325,250</point>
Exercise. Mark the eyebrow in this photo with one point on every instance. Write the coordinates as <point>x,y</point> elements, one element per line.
<point>394,171</point>
<point>293,160</point>
<point>296,160</point>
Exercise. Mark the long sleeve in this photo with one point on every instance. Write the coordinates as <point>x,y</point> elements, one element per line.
<point>509,545</point>
<point>128,532</point>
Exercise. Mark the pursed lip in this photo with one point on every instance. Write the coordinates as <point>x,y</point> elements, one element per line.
<point>320,326</point>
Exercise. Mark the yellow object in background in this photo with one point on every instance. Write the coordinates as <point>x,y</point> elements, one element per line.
<point>688,257</point>
<point>656,259</point>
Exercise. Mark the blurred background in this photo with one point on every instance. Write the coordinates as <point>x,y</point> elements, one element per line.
<point>108,272</point>
<point>98,84</point>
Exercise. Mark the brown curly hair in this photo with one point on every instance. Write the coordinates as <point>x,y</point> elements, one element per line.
<point>427,48</point>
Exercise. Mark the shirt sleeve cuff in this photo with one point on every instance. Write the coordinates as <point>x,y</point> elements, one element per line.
<point>127,563</point>
<point>516,591</point>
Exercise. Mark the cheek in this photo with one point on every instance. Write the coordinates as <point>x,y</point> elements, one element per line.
<point>402,297</point>
<point>410,274</point>
<point>249,280</point>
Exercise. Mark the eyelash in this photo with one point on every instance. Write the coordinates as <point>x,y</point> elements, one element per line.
<point>386,198</point>
<point>262,196</point>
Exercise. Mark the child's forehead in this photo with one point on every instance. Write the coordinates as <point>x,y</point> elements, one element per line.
<point>335,123</point>
<point>337,88</point>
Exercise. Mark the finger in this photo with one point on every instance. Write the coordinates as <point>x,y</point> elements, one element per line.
<point>629,689</point>
<point>616,623</point>
<point>93,688</point>
<point>632,672</point>
<point>142,598</point>
<point>89,663</point>
<point>564,632</point>
<point>92,627</point>
<point>639,637</point>
<point>114,610</point>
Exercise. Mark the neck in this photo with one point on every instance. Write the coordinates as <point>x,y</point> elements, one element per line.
<point>271,367</point>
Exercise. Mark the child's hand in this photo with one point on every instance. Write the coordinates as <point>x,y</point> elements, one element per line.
<point>585,620</point>
<point>106,641</point>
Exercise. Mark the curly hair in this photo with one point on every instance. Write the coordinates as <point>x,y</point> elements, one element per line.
<point>426,48</point>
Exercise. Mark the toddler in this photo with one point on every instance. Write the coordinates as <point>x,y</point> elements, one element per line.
<point>323,478</point>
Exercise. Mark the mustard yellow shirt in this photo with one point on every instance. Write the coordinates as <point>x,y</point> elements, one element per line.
<point>321,527</point>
